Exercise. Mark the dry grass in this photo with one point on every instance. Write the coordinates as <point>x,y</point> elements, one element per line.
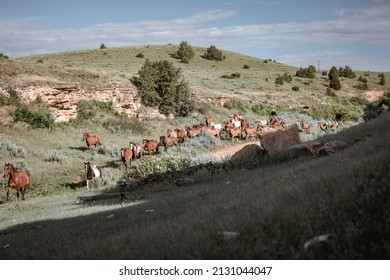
<point>274,207</point>
<point>115,66</point>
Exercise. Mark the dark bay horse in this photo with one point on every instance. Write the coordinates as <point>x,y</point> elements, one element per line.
<point>92,171</point>
<point>18,180</point>
<point>91,140</point>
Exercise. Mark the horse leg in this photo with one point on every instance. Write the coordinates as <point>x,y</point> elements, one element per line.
<point>8,190</point>
<point>23,191</point>
<point>87,184</point>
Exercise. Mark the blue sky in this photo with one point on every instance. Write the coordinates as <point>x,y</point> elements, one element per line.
<point>298,32</point>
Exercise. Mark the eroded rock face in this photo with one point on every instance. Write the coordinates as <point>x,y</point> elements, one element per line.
<point>63,99</point>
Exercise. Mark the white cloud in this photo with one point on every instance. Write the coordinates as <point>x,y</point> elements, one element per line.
<point>366,27</point>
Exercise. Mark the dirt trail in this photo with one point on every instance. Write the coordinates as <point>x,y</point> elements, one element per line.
<point>227,152</point>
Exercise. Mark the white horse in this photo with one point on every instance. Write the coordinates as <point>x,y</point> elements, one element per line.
<point>236,123</point>
<point>217,126</point>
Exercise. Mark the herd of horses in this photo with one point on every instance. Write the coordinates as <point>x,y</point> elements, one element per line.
<point>236,127</point>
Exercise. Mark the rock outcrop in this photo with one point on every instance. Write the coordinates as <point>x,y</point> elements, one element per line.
<point>63,99</point>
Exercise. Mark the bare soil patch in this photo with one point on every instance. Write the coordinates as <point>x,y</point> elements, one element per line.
<point>374,94</point>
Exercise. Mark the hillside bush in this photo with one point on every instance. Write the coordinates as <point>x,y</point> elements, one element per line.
<point>212,53</point>
<point>382,79</point>
<point>156,165</point>
<point>308,72</point>
<point>112,151</point>
<point>57,156</point>
<point>279,80</point>
<point>10,149</point>
<point>382,105</point>
<point>362,79</point>
<point>235,75</point>
<point>13,98</point>
<point>344,109</point>
<point>88,109</point>
<point>262,109</point>
<point>334,79</point>
<point>122,124</point>
<point>36,114</point>
<point>361,86</point>
<point>346,72</point>
<point>161,84</point>
<point>185,52</point>
<point>236,104</point>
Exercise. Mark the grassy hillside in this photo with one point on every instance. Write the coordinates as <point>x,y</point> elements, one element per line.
<point>271,206</point>
<point>263,210</point>
<point>115,66</point>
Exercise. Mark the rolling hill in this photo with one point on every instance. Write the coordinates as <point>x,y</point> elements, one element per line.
<point>256,206</point>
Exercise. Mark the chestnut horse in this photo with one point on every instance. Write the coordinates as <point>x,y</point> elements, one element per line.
<point>18,180</point>
<point>150,146</point>
<point>305,126</point>
<point>91,140</point>
<point>126,156</point>
<point>168,142</point>
<point>275,123</point>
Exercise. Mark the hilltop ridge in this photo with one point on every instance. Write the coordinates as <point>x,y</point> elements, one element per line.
<point>101,73</point>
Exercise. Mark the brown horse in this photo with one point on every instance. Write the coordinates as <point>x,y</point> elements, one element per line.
<point>323,126</point>
<point>305,126</point>
<point>181,134</point>
<point>91,140</point>
<point>150,146</point>
<point>275,123</point>
<point>18,180</point>
<point>171,133</point>
<point>168,142</point>
<point>235,133</point>
<point>209,121</point>
<point>126,156</point>
<point>334,124</point>
<point>250,132</point>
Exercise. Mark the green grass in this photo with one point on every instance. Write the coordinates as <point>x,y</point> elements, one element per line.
<point>274,206</point>
<point>115,66</point>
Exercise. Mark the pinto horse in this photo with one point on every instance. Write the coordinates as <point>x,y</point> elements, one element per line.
<point>136,148</point>
<point>91,140</point>
<point>18,180</point>
<point>92,171</point>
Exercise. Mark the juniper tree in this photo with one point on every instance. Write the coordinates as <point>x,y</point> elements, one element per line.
<point>161,85</point>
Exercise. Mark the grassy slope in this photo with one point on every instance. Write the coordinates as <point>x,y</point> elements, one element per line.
<point>275,208</point>
<point>114,67</point>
